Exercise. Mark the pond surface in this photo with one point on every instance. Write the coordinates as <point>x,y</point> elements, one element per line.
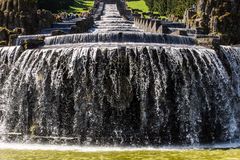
<point>233,154</point>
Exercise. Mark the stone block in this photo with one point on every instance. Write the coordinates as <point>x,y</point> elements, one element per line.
<point>4,34</point>
<point>180,33</point>
<point>32,43</point>
<point>163,30</point>
<point>13,39</point>
<point>57,32</point>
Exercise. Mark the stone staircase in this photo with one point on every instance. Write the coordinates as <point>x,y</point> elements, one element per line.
<point>174,28</point>
<point>76,25</point>
<point>62,26</point>
<point>68,26</point>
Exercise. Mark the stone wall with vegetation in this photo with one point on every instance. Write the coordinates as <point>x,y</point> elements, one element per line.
<point>217,17</point>
<point>169,7</point>
<point>24,14</point>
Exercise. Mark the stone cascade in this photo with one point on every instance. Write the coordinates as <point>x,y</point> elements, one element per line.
<point>111,20</point>
<point>113,28</point>
<point>68,25</point>
<point>122,95</point>
<point>215,21</point>
<point>76,25</point>
<point>162,26</point>
<point>118,37</point>
<point>119,86</point>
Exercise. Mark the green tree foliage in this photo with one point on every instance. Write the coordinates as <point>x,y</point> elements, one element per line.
<point>54,5</point>
<point>166,7</point>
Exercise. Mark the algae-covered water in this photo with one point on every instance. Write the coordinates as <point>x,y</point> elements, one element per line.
<point>233,154</point>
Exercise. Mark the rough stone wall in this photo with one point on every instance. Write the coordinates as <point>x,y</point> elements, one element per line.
<point>219,17</point>
<point>24,14</point>
<point>18,13</point>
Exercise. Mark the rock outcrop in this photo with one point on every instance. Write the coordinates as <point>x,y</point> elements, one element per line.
<point>217,18</point>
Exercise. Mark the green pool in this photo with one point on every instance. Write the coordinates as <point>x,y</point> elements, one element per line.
<point>233,154</point>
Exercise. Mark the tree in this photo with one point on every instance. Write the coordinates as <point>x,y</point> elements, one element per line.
<point>54,5</point>
<point>166,7</point>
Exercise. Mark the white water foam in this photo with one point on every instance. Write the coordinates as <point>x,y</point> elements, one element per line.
<point>19,146</point>
<point>75,148</point>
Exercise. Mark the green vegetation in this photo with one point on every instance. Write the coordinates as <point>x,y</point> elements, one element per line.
<point>66,5</point>
<point>138,4</point>
<point>81,5</point>
<point>128,155</point>
<point>166,7</point>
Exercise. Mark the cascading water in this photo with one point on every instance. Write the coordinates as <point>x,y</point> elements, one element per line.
<point>120,93</point>
<point>113,28</point>
<point>112,21</point>
<point>120,37</point>
<point>22,38</point>
<point>145,95</point>
<point>8,56</point>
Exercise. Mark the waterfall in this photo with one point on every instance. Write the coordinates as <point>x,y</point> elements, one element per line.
<point>120,37</point>
<point>113,28</point>
<point>119,86</point>
<point>150,95</point>
<point>8,57</point>
<point>22,38</point>
<point>112,21</point>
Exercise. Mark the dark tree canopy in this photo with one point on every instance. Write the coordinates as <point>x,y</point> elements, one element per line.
<point>54,5</point>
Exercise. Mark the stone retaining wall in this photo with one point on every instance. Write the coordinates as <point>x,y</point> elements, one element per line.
<point>150,25</point>
<point>122,7</point>
<point>160,26</point>
<point>83,25</point>
<point>97,10</point>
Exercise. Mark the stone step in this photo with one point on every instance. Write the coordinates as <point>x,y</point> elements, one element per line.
<point>49,30</point>
<point>73,20</point>
<point>174,24</point>
<point>22,38</point>
<point>189,31</point>
<point>207,40</point>
<point>63,25</point>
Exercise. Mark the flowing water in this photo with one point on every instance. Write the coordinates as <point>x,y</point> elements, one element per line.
<point>113,28</point>
<point>112,21</point>
<point>115,87</point>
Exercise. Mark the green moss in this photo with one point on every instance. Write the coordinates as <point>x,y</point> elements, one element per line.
<point>4,29</point>
<point>3,43</point>
<point>221,18</point>
<point>33,129</point>
<point>131,155</point>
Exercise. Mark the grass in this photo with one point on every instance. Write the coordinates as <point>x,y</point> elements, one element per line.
<point>138,4</point>
<point>81,6</point>
<point>131,155</point>
<point>141,5</point>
